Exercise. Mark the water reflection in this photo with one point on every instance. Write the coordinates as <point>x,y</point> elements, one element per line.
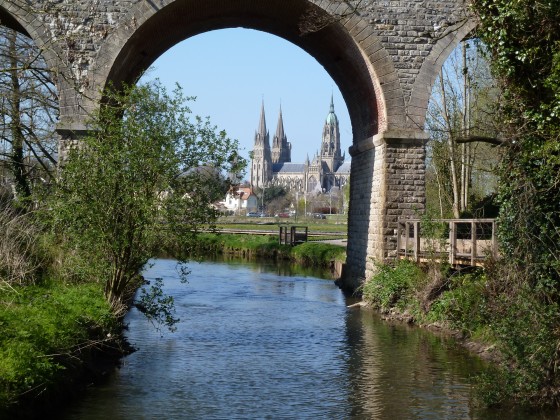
<point>256,344</point>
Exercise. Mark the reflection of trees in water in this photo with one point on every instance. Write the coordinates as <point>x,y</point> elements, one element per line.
<point>281,268</point>
<point>396,371</point>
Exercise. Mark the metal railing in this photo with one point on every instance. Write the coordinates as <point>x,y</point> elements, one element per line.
<point>459,241</point>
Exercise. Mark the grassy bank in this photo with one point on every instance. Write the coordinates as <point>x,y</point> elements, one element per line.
<point>49,342</point>
<point>247,246</point>
<point>509,327</point>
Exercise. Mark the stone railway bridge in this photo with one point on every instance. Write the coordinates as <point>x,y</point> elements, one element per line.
<point>384,56</point>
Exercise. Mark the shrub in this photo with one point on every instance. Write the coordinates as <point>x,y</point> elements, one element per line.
<point>392,285</point>
<point>20,255</point>
<point>318,254</point>
<point>464,304</point>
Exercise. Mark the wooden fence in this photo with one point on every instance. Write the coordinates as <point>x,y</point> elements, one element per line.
<point>295,235</point>
<point>459,241</point>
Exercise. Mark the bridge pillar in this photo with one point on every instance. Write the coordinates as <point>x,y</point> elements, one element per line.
<point>69,137</point>
<point>387,182</point>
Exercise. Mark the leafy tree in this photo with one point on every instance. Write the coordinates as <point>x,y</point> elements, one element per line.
<point>274,192</point>
<point>523,38</point>
<point>145,176</point>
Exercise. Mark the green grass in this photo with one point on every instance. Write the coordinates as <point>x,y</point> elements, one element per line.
<point>265,224</point>
<point>318,254</point>
<point>43,328</point>
<point>310,253</point>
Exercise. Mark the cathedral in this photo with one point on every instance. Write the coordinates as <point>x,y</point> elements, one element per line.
<point>273,166</point>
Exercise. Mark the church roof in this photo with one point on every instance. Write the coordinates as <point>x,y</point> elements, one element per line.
<point>288,167</point>
<point>344,168</point>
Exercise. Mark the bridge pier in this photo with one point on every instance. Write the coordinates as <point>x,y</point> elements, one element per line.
<point>387,182</point>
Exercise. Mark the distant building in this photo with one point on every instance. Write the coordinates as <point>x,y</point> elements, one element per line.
<point>326,170</point>
<point>240,200</point>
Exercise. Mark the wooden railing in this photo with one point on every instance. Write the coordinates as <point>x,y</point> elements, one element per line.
<point>459,241</point>
<point>294,236</point>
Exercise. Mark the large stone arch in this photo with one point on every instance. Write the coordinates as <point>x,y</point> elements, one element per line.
<point>155,31</point>
<point>384,58</point>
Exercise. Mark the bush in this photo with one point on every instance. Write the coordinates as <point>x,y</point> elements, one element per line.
<point>392,285</point>
<point>318,254</point>
<point>20,254</point>
<point>464,305</point>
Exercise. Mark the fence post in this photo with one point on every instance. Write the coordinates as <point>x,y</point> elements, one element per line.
<point>398,240</point>
<point>406,238</point>
<point>473,242</point>
<point>494,240</point>
<point>452,242</point>
<point>417,241</point>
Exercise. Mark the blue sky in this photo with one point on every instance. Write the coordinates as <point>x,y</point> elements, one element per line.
<point>231,71</point>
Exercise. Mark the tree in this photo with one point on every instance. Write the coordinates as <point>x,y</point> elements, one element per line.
<point>145,175</point>
<point>462,109</point>
<point>523,38</point>
<point>29,109</point>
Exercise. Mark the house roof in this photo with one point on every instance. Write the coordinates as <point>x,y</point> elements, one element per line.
<point>242,192</point>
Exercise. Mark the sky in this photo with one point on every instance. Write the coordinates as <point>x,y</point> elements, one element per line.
<point>231,71</point>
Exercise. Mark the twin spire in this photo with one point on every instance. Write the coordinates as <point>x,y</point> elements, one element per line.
<point>281,148</point>
<point>279,127</point>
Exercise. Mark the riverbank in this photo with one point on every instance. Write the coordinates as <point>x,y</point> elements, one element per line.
<point>57,338</point>
<point>315,254</point>
<point>470,306</point>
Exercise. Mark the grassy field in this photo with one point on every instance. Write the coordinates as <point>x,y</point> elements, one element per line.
<point>270,223</point>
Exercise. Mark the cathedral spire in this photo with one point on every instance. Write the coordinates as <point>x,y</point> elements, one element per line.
<point>330,146</point>
<point>280,127</point>
<point>262,122</point>
<point>261,161</point>
<point>281,148</point>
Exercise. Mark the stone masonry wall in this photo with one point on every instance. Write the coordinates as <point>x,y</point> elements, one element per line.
<point>387,183</point>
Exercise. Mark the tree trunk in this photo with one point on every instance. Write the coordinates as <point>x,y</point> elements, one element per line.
<point>17,158</point>
<point>452,149</point>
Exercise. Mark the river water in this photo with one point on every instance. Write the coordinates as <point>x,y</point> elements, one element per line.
<point>262,341</point>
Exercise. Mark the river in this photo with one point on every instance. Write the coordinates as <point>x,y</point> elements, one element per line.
<point>262,341</point>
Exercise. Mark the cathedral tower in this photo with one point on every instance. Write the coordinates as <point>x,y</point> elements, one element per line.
<point>330,146</point>
<point>261,161</point>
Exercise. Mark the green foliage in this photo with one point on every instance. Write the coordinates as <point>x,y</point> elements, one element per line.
<point>463,306</point>
<point>523,38</point>
<point>158,307</point>
<point>145,173</point>
<point>274,192</point>
<point>42,327</point>
<point>318,254</point>
<point>392,285</point>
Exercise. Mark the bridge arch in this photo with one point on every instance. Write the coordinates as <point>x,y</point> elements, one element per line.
<point>332,46</point>
<point>384,59</point>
